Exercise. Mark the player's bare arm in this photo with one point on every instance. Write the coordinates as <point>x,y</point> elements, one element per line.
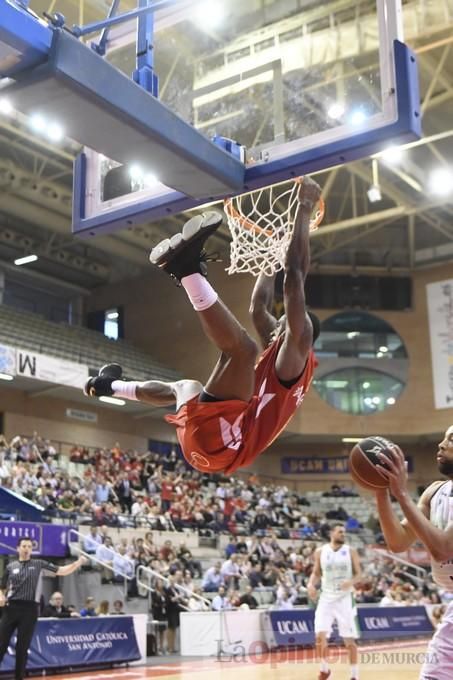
<point>299,329</point>
<point>438,542</point>
<point>399,535</point>
<point>261,308</point>
<point>315,576</point>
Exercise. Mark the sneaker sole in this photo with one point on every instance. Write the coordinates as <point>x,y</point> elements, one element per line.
<point>111,371</point>
<point>169,248</point>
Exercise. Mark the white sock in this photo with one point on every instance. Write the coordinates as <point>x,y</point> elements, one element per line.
<point>200,292</point>
<point>324,666</point>
<point>126,389</point>
<point>355,672</point>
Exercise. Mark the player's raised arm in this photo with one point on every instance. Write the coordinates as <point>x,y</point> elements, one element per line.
<point>297,261</point>
<point>261,308</point>
<point>439,542</point>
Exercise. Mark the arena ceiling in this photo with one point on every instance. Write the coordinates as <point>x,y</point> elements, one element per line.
<point>410,228</point>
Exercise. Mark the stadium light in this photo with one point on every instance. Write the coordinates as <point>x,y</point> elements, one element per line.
<point>38,123</point>
<point>351,440</point>
<point>6,376</point>
<point>54,132</point>
<point>358,117</point>
<point>336,111</point>
<point>374,194</point>
<point>113,400</point>
<point>441,181</point>
<point>392,155</point>
<point>25,260</point>
<point>209,14</point>
<point>6,107</point>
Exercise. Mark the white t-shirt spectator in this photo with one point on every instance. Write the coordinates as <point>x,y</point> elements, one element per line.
<point>212,579</point>
<point>221,603</point>
<point>122,566</point>
<point>91,543</point>
<point>105,553</point>
<point>230,568</point>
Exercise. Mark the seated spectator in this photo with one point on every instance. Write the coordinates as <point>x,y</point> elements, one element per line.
<point>118,608</point>
<point>248,598</point>
<point>221,602</point>
<point>89,609</point>
<point>352,525</point>
<point>103,608</point>
<point>122,565</point>
<point>285,599</point>
<point>196,604</point>
<point>231,571</point>
<point>212,579</point>
<point>231,547</point>
<point>56,608</point>
<point>105,554</point>
<point>92,541</point>
<point>255,576</point>
<point>261,522</point>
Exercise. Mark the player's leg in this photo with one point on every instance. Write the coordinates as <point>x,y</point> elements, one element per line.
<point>346,615</point>
<point>353,654</point>
<point>110,383</point>
<point>439,656</point>
<point>323,625</point>
<point>183,258</point>
<point>8,624</point>
<point>299,334</point>
<point>25,628</point>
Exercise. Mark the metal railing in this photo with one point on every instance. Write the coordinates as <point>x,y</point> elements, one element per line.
<point>89,556</point>
<point>422,574</point>
<point>149,573</point>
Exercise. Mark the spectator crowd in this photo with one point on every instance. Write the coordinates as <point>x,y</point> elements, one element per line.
<point>113,488</point>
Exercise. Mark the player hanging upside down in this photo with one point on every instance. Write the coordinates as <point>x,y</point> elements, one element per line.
<point>245,404</point>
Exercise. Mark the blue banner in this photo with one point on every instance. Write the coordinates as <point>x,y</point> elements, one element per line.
<point>293,627</point>
<point>296,465</point>
<point>377,623</point>
<point>318,466</point>
<point>60,643</point>
<point>49,540</point>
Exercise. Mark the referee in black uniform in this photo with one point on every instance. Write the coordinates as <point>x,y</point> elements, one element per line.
<point>20,593</point>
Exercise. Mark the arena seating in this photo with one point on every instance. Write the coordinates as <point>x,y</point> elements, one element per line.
<point>31,332</point>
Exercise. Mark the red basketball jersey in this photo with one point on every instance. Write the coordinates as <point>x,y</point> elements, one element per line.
<point>223,436</point>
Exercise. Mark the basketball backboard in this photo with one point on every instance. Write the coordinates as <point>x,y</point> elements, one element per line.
<point>302,86</point>
<point>299,86</point>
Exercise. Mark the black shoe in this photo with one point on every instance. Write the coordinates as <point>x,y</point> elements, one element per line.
<point>183,254</point>
<point>101,385</point>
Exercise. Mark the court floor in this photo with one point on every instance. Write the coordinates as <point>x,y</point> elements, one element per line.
<point>400,661</point>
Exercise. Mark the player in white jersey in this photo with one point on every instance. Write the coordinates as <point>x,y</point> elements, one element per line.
<point>431,521</point>
<point>337,566</point>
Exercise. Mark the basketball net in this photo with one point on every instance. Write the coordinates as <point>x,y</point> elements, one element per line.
<point>261,224</point>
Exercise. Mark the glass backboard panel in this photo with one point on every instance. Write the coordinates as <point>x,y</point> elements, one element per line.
<point>278,77</point>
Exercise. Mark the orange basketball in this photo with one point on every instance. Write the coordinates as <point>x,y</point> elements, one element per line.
<point>363,460</point>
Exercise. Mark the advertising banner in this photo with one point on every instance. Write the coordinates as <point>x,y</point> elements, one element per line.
<point>318,466</point>
<point>49,540</point>
<point>378,623</point>
<point>295,627</point>
<point>440,315</point>
<point>50,369</point>
<point>291,627</point>
<point>72,642</point>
